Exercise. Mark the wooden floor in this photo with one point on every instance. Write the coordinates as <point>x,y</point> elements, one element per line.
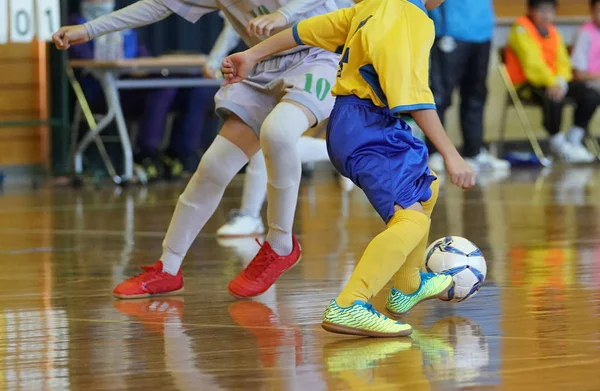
<point>535,325</point>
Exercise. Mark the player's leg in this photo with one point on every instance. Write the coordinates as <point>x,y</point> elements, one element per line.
<point>247,221</point>
<point>231,150</point>
<point>279,135</point>
<point>371,147</point>
<point>410,286</point>
<point>221,162</point>
<point>300,108</point>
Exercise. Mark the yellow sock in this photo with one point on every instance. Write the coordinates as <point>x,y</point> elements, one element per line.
<point>407,280</point>
<point>384,256</point>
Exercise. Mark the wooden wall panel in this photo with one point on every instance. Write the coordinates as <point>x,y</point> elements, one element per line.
<point>514,8</point>
<point>20,146</point>
<point>23,96</point>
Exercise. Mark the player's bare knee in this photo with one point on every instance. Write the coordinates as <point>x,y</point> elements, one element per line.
<point>241,135</point>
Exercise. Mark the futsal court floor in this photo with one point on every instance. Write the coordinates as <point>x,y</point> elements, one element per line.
<point>535,325</point>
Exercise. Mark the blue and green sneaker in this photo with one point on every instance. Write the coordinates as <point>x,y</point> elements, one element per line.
<point>432,286</point>
<point>362,319</point>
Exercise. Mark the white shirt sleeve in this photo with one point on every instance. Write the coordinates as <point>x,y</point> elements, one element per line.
<point>191,10</point>
<point>138,14</point>
<point>296,8</point>
<point>227,41</point>
<point>580,56</point>
<point>145,12</point>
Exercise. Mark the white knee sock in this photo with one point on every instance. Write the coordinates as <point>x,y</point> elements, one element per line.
<point>255,182</point>
<point>221,162</point>
<point>279,137</point>
<point>255,186</point>
<point>312,150</point>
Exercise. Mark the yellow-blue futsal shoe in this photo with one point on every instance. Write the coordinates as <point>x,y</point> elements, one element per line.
<point>433,286</point>
<point>362,319</point>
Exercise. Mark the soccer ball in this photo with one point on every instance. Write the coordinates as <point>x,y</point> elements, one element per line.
<point>462,260</point>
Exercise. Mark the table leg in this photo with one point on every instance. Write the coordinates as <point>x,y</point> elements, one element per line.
<point>89,137</point>
<point>112,99</point>
<point>82,110</point>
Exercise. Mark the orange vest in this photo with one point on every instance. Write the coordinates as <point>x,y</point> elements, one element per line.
<point>549,46</point>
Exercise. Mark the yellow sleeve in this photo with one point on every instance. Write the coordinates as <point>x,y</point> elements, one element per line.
<point>401,63</point>
<point>564,67</point>
<point>531,58</point>
<point>328,31</point>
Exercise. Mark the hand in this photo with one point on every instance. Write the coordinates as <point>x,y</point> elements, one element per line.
<point>266,24</point>
<point>237,67</point>
<point>461,174</point>
<point>556,92</point>
<point>70,35</point>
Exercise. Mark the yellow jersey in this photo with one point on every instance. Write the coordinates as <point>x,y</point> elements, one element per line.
<point>384,47</point>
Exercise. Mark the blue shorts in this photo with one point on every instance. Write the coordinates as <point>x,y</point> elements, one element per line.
<point>378,152</point>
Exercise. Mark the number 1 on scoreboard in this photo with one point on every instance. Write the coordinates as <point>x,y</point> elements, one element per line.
<point>48,18</point>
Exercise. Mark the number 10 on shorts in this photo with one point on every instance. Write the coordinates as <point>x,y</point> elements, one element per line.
<point>321,89</point>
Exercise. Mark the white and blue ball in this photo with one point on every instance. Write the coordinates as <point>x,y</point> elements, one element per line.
<point>461,259</point>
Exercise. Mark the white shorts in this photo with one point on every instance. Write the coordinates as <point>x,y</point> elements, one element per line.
<point>305,77</point>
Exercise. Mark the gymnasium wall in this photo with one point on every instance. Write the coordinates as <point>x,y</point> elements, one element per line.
<point>25,25</point>
<point>22,98</point>
<point>24,90</point>
<point>567,8</point>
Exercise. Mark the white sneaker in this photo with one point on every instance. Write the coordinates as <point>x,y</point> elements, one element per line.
<point>485,161</point>
<point>575,135</point>
<point>570,153</point>
<point>240,225</point>
<point>436,163</point>
<point>346,184</point>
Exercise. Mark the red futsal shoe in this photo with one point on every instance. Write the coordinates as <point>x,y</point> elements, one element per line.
<point>263,271</point>
<point>152,282</point>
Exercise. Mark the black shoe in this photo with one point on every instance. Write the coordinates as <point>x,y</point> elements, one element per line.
<point>150,167</point>
<point>173,168</point>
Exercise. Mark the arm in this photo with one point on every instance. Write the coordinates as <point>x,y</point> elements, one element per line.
<point>580,58</point>
<point>332,32</point>
<point>238,66</point>
<point>278,43</point>
<point>429,121</point>
<point>266,24</point>
<point>564,70</point>
<point>138,14</point>
<point>531,58</point>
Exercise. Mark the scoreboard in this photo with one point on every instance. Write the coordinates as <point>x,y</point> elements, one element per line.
<point>25,20</point>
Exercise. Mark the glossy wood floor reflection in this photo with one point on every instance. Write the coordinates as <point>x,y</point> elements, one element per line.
<point>535,325</point>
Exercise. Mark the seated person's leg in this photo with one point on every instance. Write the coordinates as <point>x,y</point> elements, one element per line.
<point>194,106</point>
<point>552,111</point>
<point>587,100</point>
<point>157,105</point>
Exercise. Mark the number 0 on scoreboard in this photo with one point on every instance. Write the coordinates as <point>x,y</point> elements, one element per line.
<point>48,18</point>
<point>3,22</point>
